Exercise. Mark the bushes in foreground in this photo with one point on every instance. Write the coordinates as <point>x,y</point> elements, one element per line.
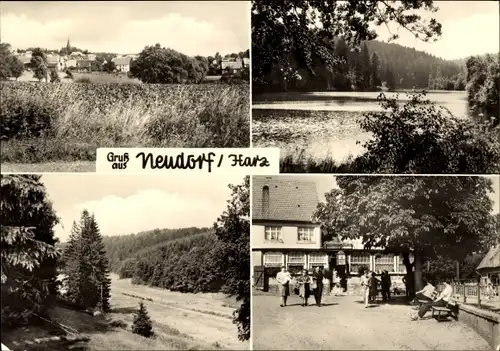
<point>415,137</point>
<point>75,119</point>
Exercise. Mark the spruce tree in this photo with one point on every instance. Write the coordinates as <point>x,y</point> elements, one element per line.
<point>87,265</point>
<point>375,78</point>
<point>142,323</point>
<point>29,255</point>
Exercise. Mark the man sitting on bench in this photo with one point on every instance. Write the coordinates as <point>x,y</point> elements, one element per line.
<point>426,294</point>
<point>441,301</point>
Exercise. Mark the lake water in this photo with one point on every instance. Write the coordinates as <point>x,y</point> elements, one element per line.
<point>323,124</point>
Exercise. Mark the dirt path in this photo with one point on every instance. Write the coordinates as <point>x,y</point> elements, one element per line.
<point>344,324</point>
<point>206,318</point>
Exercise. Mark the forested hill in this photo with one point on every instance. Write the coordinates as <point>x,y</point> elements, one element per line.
<point>413,68</point>
<point>122,247</point>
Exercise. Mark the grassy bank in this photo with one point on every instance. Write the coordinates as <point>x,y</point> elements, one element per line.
<point>42,122</point>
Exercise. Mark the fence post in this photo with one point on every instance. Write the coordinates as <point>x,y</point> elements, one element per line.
<point>479,292</point>
<point>465,293</point>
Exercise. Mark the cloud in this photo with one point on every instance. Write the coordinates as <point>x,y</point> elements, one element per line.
<point>146,210</point>
<point>103,32</point>
<point>475,34</point>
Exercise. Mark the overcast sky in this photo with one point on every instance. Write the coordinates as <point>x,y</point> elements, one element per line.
<point>130,204</point>
<point>191,27</point>
<point>324,183</point>
<point>469,28</point>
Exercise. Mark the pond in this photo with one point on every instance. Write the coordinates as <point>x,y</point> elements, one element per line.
<point>323,124</point>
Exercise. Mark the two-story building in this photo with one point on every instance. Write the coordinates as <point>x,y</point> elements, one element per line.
<point>285,233</point>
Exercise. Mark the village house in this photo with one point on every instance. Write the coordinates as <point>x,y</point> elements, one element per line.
<point>284,233</point>
<point>122,63</point>
<point>246,62</point>
<point>55,62</point>
<point>84,65</point>
<point>489,268</point>
<point>232,66</point>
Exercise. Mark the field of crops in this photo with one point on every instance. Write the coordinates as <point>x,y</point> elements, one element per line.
<point>43,122</point>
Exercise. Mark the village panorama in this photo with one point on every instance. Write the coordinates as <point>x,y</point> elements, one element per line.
<point>63,99</point>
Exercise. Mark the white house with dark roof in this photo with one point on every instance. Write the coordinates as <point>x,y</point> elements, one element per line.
<point>489,268</point>
<point>285,233</point>
<point>122,63</point>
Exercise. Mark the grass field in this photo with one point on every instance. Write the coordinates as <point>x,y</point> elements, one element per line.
<point>180,321</point>
<point>54,122</point>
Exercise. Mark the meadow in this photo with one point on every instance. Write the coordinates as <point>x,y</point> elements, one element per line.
<point>61,122</point>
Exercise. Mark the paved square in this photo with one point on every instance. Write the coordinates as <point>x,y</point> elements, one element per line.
<point>344,323</point>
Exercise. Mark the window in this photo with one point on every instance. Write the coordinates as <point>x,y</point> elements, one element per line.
<point>358,260</point>
<point>305,234</point>
<point>384,263</point>
<point>273,234</point>
<point>318,260</point>
<point>273,259</point>
<point>296,262</point>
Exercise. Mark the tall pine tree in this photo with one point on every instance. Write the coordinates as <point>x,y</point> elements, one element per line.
<point>366,66</point>
<point>374,77</point>
<point>87,272</point>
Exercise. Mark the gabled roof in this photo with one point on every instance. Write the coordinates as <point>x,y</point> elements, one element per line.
<point>491,260</point>
<point>24,59</point>
<point>122,60</point>
<point>232,64</point>
<point>289,200</point>
<point>53,58</point>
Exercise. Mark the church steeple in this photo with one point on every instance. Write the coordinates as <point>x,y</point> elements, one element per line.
<point>68,47</point>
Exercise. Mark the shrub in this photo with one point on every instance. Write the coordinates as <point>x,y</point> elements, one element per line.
<point>142,323</point>
<point>85,80</point>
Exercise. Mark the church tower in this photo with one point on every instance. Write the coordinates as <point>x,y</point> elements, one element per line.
<point>68,47</point>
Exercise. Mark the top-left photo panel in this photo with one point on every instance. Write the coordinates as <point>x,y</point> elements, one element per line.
<point>77,76</point>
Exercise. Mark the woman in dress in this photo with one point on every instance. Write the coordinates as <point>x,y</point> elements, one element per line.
<point>283,278</point>
<point>304,281</point>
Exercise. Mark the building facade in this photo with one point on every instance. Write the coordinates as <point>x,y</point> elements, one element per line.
<point>285,233</point>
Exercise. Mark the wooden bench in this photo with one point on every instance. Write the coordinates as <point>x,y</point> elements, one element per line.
<point>441,312</point>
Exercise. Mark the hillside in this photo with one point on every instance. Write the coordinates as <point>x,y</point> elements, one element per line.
<point>412,67</point>
<point>121,247</point>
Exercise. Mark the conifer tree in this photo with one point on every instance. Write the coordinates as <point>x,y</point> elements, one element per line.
<point>29,255</point>
<point>142,323</point>
<point>87,265</point>
<point>375,78</point>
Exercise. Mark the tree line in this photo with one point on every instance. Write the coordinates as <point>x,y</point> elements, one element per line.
<point>372,66</point>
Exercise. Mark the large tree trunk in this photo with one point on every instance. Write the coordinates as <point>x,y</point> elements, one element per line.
<point>418,271</point>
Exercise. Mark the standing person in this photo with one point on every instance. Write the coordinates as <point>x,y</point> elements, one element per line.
<point>335,282</point>
<point>373,287</point>
<point>442,301</point>
<point>318,292</point>
<point>283,278</point>
<point>365,286</point>
<point>386,285</point>
<point>304,282</point>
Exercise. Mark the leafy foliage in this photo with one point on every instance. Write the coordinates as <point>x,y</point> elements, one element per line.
<point>54,76</point>
<point>28,276</point>
<point>142,323</point>
<point>483,80</point>
<point>288,35</point>
<point>86,266</point>
<point>159,65</point>
<point>420,137</point>
<point>233,232</point>
<point>10,65</point>
<point>433,217</point>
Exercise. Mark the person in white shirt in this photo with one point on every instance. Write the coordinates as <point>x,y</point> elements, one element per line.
<point>426,293</point>
<point>442,301</point>
<point>283,278</point>
<point>365,285</point>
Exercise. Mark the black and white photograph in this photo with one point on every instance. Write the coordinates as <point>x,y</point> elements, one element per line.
<point>375,262</point>
<point>79,75</point>
<point>104,262</point>
<point>377,86</point>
